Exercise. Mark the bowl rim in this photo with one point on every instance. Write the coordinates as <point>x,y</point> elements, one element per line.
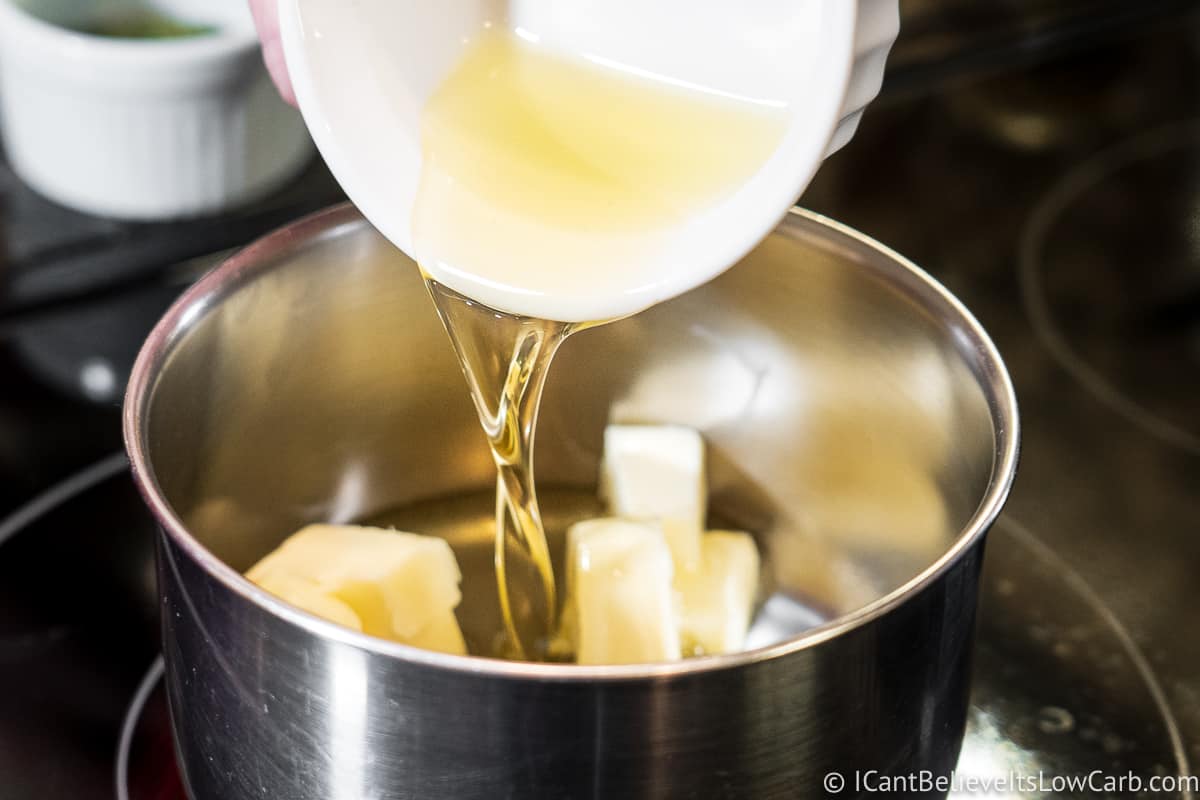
<point>51,42</point>
<point>274,249</point>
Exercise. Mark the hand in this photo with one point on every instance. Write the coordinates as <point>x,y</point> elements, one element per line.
<point>266,19</point>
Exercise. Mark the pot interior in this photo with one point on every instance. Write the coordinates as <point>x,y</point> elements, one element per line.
<point>855,418</point>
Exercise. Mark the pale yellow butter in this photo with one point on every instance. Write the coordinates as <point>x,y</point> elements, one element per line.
<point>621,603</point>
<point>717,599</point>
<point>656,472</point>
<point>393,585</point>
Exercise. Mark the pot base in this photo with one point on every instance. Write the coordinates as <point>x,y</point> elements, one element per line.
<point>1058,687</point>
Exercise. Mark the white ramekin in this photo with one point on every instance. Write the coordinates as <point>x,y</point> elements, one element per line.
<point>145,129</point>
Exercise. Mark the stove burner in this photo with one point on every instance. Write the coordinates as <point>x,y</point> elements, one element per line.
<point>1059,687</point>
<point>145,756</point>
<point>1110,277</point>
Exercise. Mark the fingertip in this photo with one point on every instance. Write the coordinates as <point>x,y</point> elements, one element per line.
<point>277,67</point>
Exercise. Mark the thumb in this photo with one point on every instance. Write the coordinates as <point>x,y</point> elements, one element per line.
<point>266,20</point>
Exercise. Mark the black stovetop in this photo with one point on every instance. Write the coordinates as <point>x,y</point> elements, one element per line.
<point>78,295</point>
<point>1048,173</point>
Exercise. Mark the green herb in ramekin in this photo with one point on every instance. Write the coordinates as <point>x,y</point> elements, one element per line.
<point>143,24</point>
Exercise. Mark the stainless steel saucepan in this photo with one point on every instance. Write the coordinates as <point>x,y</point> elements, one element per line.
<point>859,422</point>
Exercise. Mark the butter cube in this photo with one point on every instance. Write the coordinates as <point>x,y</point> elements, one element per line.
<point>656,472</point>
<point>621,600</point>
<point>389,584</point>
<point>308,596</point>
<point>717,599</point>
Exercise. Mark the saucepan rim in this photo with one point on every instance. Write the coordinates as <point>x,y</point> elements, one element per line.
<point>274,249</point>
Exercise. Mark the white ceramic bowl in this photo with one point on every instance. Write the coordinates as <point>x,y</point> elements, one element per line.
<point>362,72</point>
<point>143,128</point>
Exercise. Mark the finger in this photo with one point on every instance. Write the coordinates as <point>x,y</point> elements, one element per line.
<point>266,20</point>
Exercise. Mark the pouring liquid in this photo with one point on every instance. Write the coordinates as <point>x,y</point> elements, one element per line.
<point>505,359</point>
<point>555,177</point>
